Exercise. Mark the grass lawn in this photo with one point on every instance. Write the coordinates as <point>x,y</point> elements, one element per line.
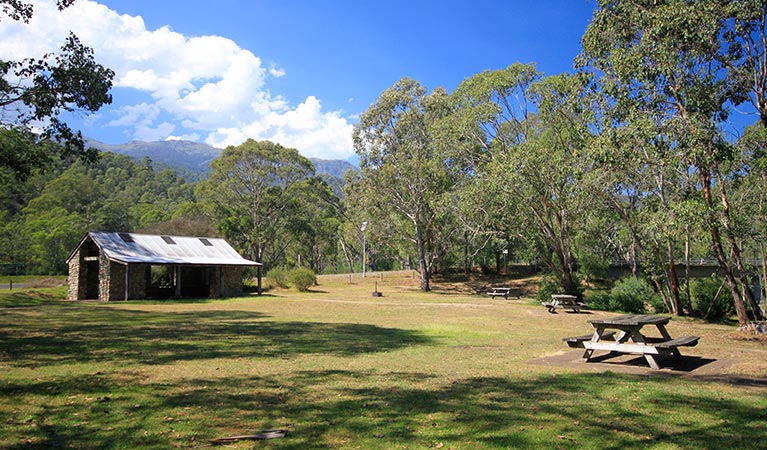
<point>339,368</point>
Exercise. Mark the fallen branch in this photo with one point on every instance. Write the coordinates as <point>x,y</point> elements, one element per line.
<point>267,434</point>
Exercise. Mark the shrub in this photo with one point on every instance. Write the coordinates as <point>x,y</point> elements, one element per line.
<point>302,278</point>
<point>702,293</point>
<point>629,295</point>
<point>550,285</point>
<point>599,300</point>
<point>593,267</point>
<point>277,277</point>
<point>657,305</point>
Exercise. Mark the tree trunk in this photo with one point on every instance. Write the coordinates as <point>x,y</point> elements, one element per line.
<point>633,255</point>
<point>466,254</point>
<point>673,278</point>
<point>423,267</point>
<point>687,299</point>
<point>662,293</point>
<point>743,276</point>
<point>347,256</point>
<point>721,258</point>
<point>764,273</point>
<point>566,275</point>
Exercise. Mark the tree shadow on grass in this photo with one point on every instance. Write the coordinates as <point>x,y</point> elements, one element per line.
<point>608,411</point>
<point>377,409</point>
<point>127,337</point>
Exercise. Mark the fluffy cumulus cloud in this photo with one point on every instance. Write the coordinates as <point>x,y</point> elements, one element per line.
<point>203,87</point>
<point>307,128</point>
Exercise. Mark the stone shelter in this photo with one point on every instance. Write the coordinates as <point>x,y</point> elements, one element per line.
<point>125,266</point>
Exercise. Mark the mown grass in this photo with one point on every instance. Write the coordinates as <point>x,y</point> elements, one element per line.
<point>339,368</point>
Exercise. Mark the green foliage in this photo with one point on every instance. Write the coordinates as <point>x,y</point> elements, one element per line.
<point>263,197</point>
<point>599,300</point>
<point>593,267</point>
<point>38,91</point>
<point>278,276</point>
<point>550,285</point>
<point>46,216</point>
<point>628,295</point>
<point>403,180</point>
<point>302,278</point>
<point>657,305</point>
<point>704,291</point>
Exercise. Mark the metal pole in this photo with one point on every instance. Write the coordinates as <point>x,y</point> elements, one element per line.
<point>362,229</point>
<point>363,255</point>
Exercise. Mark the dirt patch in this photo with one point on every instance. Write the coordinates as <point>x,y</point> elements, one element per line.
<point>524,285</point>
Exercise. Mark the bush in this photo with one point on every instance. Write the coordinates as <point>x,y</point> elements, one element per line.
<point>302,278</point>
<point>593,267</point>
<point>277,277</point>
<point>599,300</point>
<point>629,295</point>
<point>550,286</point>
<point>657,305</point>
<point>702,293</point>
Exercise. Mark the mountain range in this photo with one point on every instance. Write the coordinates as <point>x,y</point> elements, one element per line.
<point>192,159</point>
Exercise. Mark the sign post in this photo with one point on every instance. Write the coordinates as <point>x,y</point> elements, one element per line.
<point>362,229</point>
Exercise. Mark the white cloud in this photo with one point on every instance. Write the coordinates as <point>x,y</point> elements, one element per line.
<point>315,133</point>
<point>276,72</point>
<point>205,87</point>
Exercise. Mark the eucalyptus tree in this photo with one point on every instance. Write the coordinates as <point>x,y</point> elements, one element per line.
<point>254,195</point>
<point>633,175</point>
<point>316,230</point>
<point>660,61</point>
<point>751,194</point>
<point>35,91</point>
<point>746,61</point>
<point>543,175</point>
<point>488,115</point>
<point>519,140</point>
<point>403,176</point>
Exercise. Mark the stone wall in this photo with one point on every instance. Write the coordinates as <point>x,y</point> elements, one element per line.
<point>112,281</point>
<point>75,290</point>
<point>112,284</point>
<point>232,281</point>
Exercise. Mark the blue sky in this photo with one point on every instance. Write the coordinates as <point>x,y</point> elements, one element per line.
<point>296,72</point>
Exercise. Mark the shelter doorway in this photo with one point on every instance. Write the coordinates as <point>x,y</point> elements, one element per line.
<point>90,259</point>
<point>91,279</point>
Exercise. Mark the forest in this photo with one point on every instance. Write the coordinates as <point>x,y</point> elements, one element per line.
<point>628,160</point>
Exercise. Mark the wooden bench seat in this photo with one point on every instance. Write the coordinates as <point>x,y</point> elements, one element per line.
<point>504,292</point>
<point>648,348</point>
<point>577,341</point>
<point>575,307</point>
<point>684,341</point>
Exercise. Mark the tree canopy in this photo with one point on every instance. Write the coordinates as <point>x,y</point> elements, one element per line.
<point>35,91</point>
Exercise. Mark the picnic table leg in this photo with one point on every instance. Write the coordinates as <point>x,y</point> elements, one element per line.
<point>674,351</point>
<point>622,338</point>
<point>637,337</point>
<point>594,338</point>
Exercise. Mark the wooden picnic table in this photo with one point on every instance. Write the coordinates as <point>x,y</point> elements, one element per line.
<point>498,291</point>
<point>630,338</point>
<point>563,301</point>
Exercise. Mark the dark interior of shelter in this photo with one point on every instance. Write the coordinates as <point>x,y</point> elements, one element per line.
<point>162,283</point>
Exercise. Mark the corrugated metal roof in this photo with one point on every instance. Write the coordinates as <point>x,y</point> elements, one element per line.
<point>152,249</point>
